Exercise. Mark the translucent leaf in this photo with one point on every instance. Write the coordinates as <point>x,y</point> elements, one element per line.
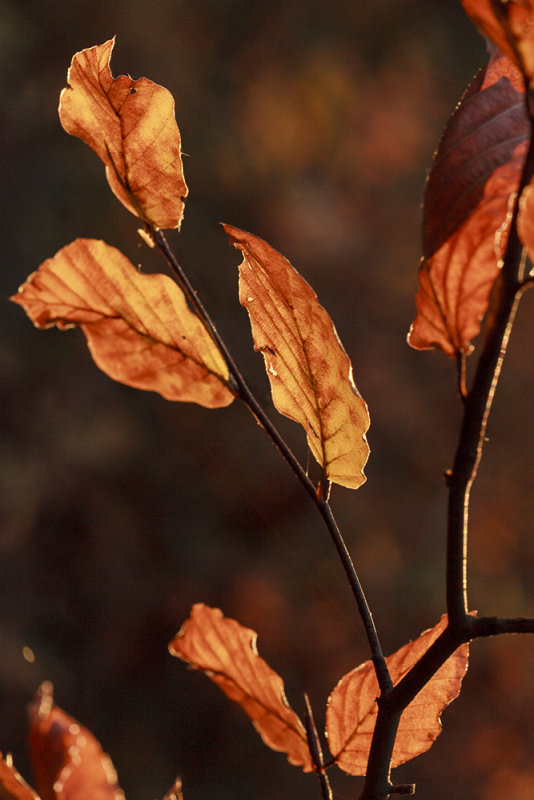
<point>352,708</point>
<point>308,369</point>
<point>525,220</point>
<point>68,762</point>
<point>138,327</point>
<point>12,784</point>
<point>130,124</point>
<point>467,209</point>
<point>510,25</point>
<point>226,652</point>
<point>175,792</point>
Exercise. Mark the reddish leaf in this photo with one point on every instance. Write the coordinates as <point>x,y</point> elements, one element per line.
<point>175,792</point>
<point>476,171</point>
<point>525,220</point>
<point>131,126</point>
<point>510,25</point>
<point>12,784</point>
<point>308,369</point>
<point>68,762</point>
<point>138,327</point>
<point>352,708</point>
<point>226,652</point>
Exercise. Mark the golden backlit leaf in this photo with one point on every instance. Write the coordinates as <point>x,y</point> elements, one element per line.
<point>138,327</point>
<point>510,25</point>
<point>130,124</point>
<point>352,708</point>
<point>308,369</point>
<point>226,652</point>
<point>175,792</point>
<point>68,762</point>
<point>467,209</point>
<point>525,220</point>
<point>12,784</point>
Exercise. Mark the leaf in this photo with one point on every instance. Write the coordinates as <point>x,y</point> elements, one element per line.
<point>130,124</point>
<point>525,220</point>
<point>308,369</point>
<point>138,327</point>
<point>12,784</point>
<point>510,25</point>
<point>476,171</point>
<point>67,760</point>
<point>226,652</point>
<point>352,709</point>
<point>175,792</point>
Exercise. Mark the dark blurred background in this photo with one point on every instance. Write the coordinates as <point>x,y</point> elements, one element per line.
<point>310,124</point>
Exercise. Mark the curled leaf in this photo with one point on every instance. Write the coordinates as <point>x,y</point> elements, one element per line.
<point>12,784</point>
<point>130,124</point>
<point>510,25</point>
<point>309,371</point>
<point>68,762</point>
<point>352,708</point>
<point>467,209</point>
<point>138,327</point>
<point>226,652</point>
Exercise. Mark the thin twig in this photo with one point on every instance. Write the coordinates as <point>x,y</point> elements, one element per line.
<point>242,390</point>
<point>316,751</point>
<point>477,406</point>
<point>461,375</point>
<point>496,626</point>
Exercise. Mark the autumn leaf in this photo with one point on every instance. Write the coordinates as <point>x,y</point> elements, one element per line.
<point>12,784</point>
<point>226,652</point>
<point>138,327</point>
<point>525,220</point>
<point>308,369</point>
<point>510,25</point>
<point>175,792</point>
<point>469,194</point>
<point>352,708</point>
<point>130,124</point>
<point>68,762</point>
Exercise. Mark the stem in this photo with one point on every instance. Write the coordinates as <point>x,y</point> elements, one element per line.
<point>461,370</point>
<point>477,406</point>
<point>390,707</point>
<point>316,751</point>
<point>238,384</point>
<point>469,453</point>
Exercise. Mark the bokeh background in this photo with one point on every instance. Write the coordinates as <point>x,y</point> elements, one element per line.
<point>312,125</point>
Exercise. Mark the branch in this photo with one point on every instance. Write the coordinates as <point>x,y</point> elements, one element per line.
<point>495,626</point>
<point>477,405</point>
<point>316,751</point>
<point>238,384</point>
<point>478,402</point>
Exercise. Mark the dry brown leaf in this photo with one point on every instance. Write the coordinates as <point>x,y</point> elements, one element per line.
<point>12,784</point>
<point>510,25</point>
<point>67,760</point>
<point>352,709</point>
<point>226,652</point>
<point>308,369</point>
<point>525,220</point>
<point>138,327</point>
<point>468,200</point>
<point>130,124</point>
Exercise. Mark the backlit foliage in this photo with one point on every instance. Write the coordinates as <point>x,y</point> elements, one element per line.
<point>152,332</point>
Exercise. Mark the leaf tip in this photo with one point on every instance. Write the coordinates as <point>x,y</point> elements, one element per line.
<point>42,702</point>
